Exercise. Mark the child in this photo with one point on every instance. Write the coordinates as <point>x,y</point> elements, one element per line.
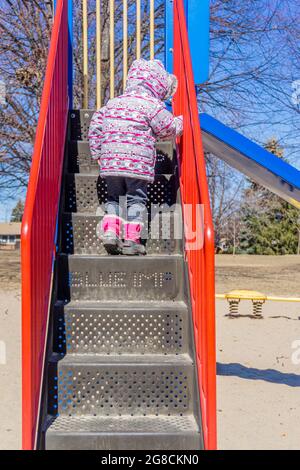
<point>122,138</point>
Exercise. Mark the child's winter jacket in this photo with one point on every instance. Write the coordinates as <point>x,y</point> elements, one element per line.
<point>122,134</point>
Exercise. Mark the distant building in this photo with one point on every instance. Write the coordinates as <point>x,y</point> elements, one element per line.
<point>10,235</point>
<point>222,246</point>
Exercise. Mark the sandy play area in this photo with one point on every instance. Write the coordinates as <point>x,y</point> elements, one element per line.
<point>258,376</point>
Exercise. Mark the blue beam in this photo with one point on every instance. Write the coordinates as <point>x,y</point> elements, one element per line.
<point>251,159</point>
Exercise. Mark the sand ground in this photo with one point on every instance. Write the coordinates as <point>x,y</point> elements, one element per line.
<point>274,275</point>
<point>258,365</point>
<point>10,369</point>
<point>258,360</point>
<point>259,377</point>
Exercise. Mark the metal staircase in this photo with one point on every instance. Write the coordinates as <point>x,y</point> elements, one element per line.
<point>117,352</point>
<point>121,372</point>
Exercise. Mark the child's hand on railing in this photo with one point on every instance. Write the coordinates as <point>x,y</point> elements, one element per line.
<point>179,125</point>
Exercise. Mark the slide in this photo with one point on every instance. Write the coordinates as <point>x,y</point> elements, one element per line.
<point>251,159</point>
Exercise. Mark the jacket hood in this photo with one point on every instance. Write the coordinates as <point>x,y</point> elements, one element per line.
<point>151,76</point>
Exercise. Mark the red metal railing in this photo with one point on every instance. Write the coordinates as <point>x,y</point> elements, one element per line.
<point>39,222</point>
<point>194,192</point>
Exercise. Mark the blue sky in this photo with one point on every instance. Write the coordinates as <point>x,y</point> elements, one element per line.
<point>7,204</point>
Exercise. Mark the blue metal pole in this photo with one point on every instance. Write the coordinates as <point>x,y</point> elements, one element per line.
<point>169,40</point>
<point>197,13</point>
<point>197,16</point>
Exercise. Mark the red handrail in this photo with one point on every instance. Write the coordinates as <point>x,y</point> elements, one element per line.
<point>39,222</point>
<point>200,259</point>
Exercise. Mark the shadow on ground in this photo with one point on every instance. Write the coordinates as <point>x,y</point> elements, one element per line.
<point>250,373</point>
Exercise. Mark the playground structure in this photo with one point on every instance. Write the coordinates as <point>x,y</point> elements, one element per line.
<point>119,353</point>
<point>257,298</point>
<point>235,296</point>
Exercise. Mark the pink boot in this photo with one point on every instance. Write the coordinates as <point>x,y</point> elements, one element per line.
<point>110,234</point>
<point>132,239</point>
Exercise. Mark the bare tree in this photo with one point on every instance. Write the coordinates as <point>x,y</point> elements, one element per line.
<point>24,30</point>
<point>225,186</point>
<point>254,59</point>
<point>25,27</point>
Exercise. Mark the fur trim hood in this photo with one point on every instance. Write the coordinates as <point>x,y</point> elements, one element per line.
<point>150,75</point>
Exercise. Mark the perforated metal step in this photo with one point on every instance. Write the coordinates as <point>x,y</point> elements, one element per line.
<point>82,328</point>
<point>80,160</point>
<point>80,234</point>
<point>88,193</point>
<point>120,278</point>
<point>125,385</point>
<point>124,432</point>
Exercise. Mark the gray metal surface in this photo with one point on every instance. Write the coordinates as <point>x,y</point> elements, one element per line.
<point>121,373</point>
<point>120,278</point>
<point>124,433</point>
<point>80,234</point>
<point>114,329</point>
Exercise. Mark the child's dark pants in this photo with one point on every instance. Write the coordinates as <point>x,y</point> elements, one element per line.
<point>127,198</point>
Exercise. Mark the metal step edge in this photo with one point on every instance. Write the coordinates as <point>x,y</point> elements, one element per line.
<point>143,433</point>
<point>129,306</point>
<point>124,360</point>
<point>139,304</point>
<point>158,143</point>
<point>90,215</point>
<point>174,257</point>
<point>81,424</point>
<point>121,442</point>
<point>90,175</point>
<point>128,442</point>
<point>125,257</point>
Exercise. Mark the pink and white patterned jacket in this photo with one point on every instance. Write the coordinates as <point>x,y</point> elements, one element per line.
<point>123,133</point>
